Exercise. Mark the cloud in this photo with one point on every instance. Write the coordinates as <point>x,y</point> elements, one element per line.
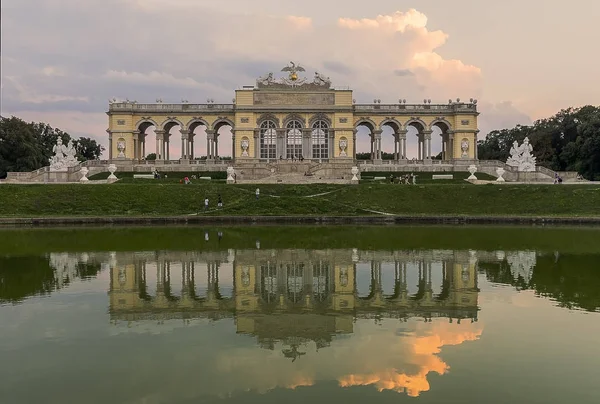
<point>403,72</point>
<point>387,361</point>
<point>499,116</point>
<point>64,57</point>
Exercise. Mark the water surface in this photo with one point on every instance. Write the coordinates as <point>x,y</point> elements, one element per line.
<point>242,315</point>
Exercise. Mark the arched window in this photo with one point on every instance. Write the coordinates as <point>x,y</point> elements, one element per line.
<point>268,140</point>
<point>294,140</point>
<point>320,140</point>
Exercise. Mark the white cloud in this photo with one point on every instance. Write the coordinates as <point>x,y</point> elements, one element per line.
<point>76,58</point>
<point>27,94</point>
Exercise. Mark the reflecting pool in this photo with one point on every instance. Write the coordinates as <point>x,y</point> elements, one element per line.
<point>248,317</point>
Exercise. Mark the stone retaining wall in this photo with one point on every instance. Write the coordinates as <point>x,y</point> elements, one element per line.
<point>366,220</point>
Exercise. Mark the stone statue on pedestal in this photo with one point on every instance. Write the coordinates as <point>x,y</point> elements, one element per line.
<point>522,157</point>
<point>64,156</point>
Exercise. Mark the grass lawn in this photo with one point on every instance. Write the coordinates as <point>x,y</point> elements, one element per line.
<point>166,198</point>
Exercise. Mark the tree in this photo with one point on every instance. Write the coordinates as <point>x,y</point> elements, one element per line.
<point>28,146</point>
<point>567,141</point>
<point>19,147</point>
<point>151,157</point>
<point>88,149</point>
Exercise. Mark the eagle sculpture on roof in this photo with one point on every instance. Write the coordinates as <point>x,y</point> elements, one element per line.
<point>293,70</point>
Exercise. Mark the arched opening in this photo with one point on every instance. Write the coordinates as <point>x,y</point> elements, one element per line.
<point>268,140</point>
<point>222,140</point>
<point>293,147</point>
<point>320,140</point>
<point>365,146</point>
<point>418,150</point>
<point>170,128</point>
<point>146,135</point>
<point>440,149</point>
<point>391,143</point>
<point>196,131</point>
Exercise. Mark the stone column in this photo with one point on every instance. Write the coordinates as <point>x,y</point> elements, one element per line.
<point>354,144</point>
<point>159,142</point>
<point>377,143</point>
<point>306,140</point>
<point>257,144</point>
<point>450,151</point>
<point>184,143</point>
<point>281,144</point>
<point>402,143</point>
<point>144,148</point>
<point>427,144</point>
<point>331,144</point>
<point>216,146</point>
<point>233,145</point>
<point>135,148</point>
<point>476,153</point>
<point>396,153</point>
<point>210,133</point>
<point>191,146</point>
<point>110,145</point>
<point>167,148</point>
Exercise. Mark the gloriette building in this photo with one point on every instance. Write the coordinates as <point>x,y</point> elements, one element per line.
<point>291,118</point>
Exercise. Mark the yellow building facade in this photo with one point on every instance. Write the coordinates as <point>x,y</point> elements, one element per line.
<point>290,118</point>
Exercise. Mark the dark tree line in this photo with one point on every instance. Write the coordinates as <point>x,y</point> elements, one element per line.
<point>567,141</point>
<point>573,281</point>
<point>28,146</point>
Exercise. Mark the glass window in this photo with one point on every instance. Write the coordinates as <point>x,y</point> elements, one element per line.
<point>268,140</point>
<point>320,140</point>
<point>294,140</point>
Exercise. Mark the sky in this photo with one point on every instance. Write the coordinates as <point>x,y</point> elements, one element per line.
<point>62,60</point>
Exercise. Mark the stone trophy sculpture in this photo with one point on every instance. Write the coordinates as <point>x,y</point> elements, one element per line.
<point>64,156</point>
<point>464,146</point>
<point>245,144</point>
<point>343,147</point>
<point>522,157</point>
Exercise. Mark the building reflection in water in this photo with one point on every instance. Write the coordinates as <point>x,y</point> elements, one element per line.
<point>290,299</point>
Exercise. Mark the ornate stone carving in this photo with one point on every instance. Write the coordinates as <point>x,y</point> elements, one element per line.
<point>266,80</point>
<point>293,98</point>
<point>354,172</point>
<point>500,172</point>
<point>294,117</point>
<point>521,156</point>
<point>112,177</point>
<point>121,148</point>
<point>472,169</point>
<point>245,144</point>
<point>293,80</point>
<point>245,120</point>
<point>320,116</point>
<point>267,117</point>
<point>64,156</point>
<point>84,171</point>
<point>321,80</point>
<point>464,146</point>
<point>343,147</point>
<point>230,173</point>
